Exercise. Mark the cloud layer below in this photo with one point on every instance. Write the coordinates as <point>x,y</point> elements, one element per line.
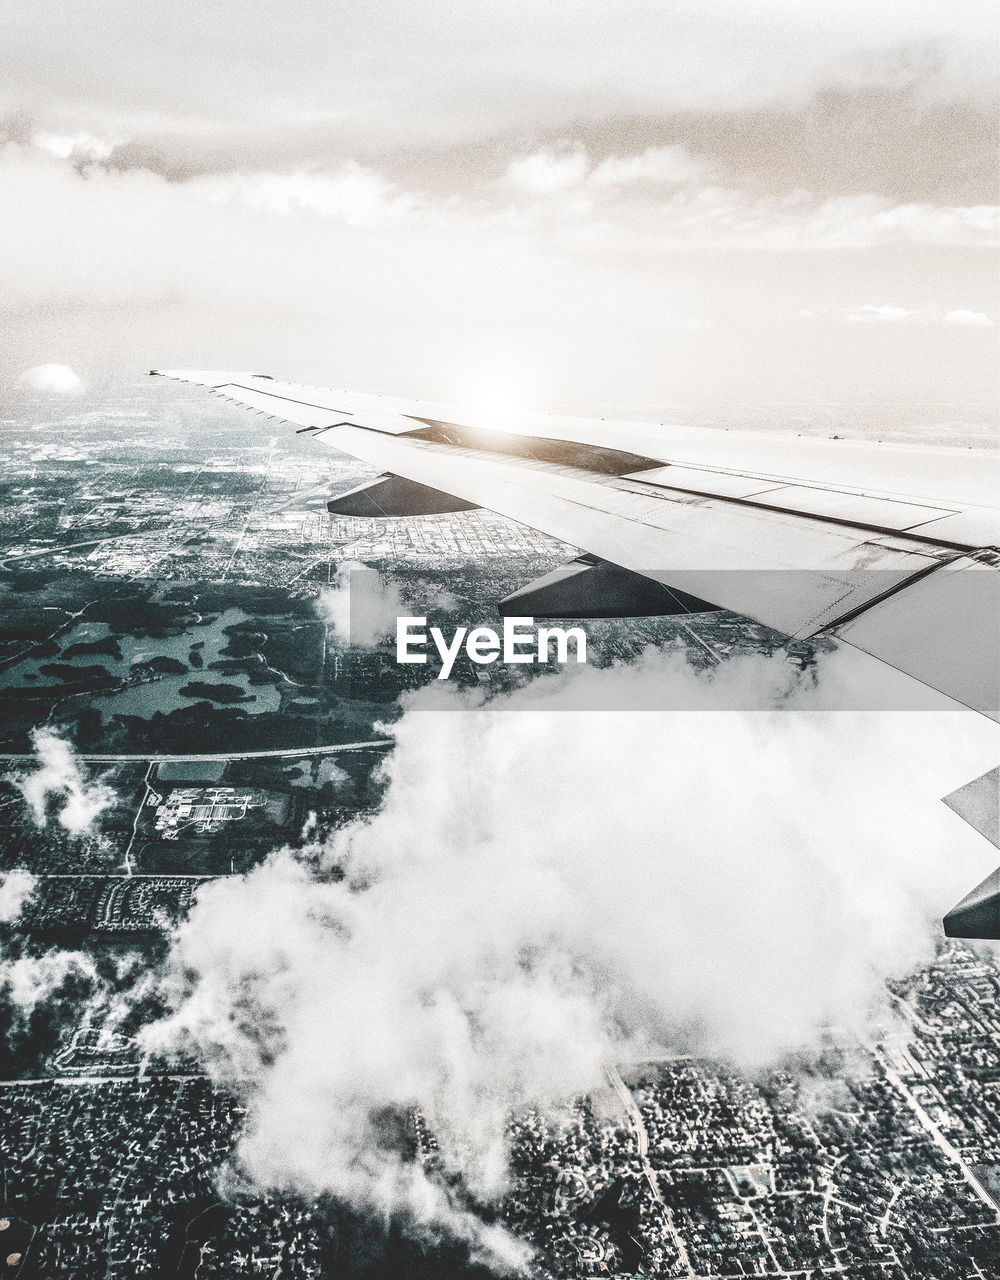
<point>56,379</point>
<point>59,784</point>
<point>545,888</point>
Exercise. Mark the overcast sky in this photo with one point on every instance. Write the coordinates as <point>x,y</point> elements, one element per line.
<point>645,206</point>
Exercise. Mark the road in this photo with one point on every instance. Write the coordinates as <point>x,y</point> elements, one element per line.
<point>63,548</point>
<point>376,744</point>
<point>932,1130</point>
<point>624,1093</point>
<point>116,1079</point>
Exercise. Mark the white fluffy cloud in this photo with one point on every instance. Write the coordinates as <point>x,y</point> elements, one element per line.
<point>30,980</point>
<point>77,146</point>
<point>60,780</point>
<point>16,888</point>
<point>361,607</point>
<point>27,980</point>
<point>544,889</point>
<point>356,195</point>
<point>669,166</point>
<point>979,319</point>
<point>56,379</point>
<point>545,172</point>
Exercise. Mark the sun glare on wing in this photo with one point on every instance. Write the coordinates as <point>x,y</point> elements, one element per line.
<point>498,402</point>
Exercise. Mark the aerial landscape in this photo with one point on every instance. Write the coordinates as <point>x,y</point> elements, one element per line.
<point>203,717</point>
<point>499,647</point>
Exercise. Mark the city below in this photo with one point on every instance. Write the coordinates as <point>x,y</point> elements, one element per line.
<point>169,620</point>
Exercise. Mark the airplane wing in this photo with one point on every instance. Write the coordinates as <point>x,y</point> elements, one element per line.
<point>890,548</point>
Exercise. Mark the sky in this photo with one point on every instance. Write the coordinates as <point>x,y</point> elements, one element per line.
<point>726,211</point>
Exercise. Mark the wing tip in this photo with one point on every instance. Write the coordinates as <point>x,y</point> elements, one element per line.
<point>209,378</point>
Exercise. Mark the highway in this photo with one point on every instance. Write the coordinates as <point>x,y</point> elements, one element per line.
<point>63,548</point>
<point>376,744</point>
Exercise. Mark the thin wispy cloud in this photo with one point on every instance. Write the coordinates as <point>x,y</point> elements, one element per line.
<point>196,78</point>
<point>872,314</point>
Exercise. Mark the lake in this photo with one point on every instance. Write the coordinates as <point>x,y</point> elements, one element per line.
<point>162,694</point>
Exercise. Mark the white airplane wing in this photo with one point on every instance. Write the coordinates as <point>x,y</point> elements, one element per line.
<point>890,548</point>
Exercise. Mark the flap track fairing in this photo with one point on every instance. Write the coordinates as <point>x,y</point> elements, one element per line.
<point>593,588</point>
<point>393,496</point>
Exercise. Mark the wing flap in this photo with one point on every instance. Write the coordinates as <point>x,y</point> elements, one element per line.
<point>943,630</point>
<point>967,526</point>
<point>788,572</point>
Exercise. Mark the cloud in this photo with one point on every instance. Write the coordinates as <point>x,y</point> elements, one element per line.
<point>356,195</point>
<point>665,197</point>
<point>77,146</point>
<point>977,318</point>
<point>29,981</point>
<point>56,379</point>
<point>545,889</point>
<point>880,315</point>
<point>661,166</point>
<point>16,888</point>
<point>361,607</point>
<point>60,781</point>
<point>588,293</point>
<point>928,315</point>
<point>360,75</point>
<point>545,172</point>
